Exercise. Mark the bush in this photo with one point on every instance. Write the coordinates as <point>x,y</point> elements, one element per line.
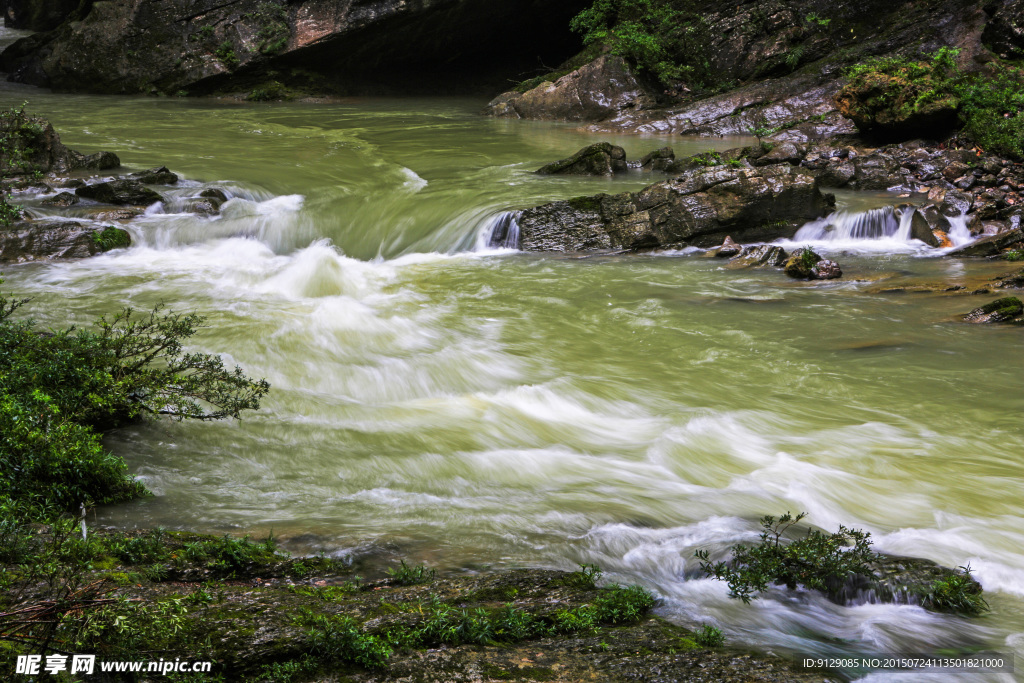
<point>338,638</point>
<point>989,104</point>
<point>709,636</point>
<point>812,561</point>
<point>623,605</point>
<point>408,575</point>
<point>59,389</point>
<point>666,40</point>
<point>958,594</point>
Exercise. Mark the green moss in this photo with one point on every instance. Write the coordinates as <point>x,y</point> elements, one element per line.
<point>226,54</point>
<point>112,238</point>
<point>592,203</point>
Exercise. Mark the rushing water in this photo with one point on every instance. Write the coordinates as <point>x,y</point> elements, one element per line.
<point>474,408</point>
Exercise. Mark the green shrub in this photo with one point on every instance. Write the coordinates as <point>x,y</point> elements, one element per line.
<point>989,103</point>
<point>338,638</point>
<point>958,594</point>
<point>709,636</point>
<point>585,577</point>
<point>111,238</point>
<point>622,605</point>
<point>665,39</point>
<point>408,575</point>
<point>812,561</point>
<point>226,54</point>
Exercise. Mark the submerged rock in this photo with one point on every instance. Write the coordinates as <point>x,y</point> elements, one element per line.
<point>1007,309</point>
<point>64,199</point>
<point>760,255</point>
<point>120,192</point>
<point>699,208</point>
<point>155,176</point>
<point>35,240</point>
<point>658,160</point>
<point>602,158</point>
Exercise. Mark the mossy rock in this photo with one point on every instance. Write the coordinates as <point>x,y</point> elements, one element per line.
<point>1007,309</point>
<point>110,238</point>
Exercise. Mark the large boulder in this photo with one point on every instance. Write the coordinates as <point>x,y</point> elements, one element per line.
<point>120,192</point>
<point>31,146</point>
<point>804,264</point>
<point>1004,32</point>
<point>319,46</point>
<point>594,92</point>
<point>602,158</point>
<point>35,240</point>
<point>700,208</point>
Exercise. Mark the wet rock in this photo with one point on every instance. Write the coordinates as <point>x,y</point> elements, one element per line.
<point>593,92</point>
<point>100,161</point>
<point>954,171</point>
<point>214,193</point>
<point>956,204</point>
<point>658,160</point>
<point>1012,281</point>
<point>117,214</point>
<point>826,269</point>
<point>700,208</point>
<point>838,174</point>
<point>602,158</point>
<point>37,240</point>
<point>202,205</point>
<point>1004,32</point>
<point>120,192</point>
<point>64,199</point>
<point>904,580</point>
<point>781,153</point>
<point>155,176</point>
<point>760,255</point>
<point>991,245</point>
<point>1007,309</point>
<point>728,249</point>
<point>800,264</point>
<point>921,230</point>
<point>68,183</point>
<point>876,172</point>
<point>934,218</point>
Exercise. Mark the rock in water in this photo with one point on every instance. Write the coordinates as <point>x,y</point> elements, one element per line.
<point>826,269</point>
<point>35,240</point>
<point>800,264</point>
<point>699,208</point>
<point>658,160</point>
<point>991,245</point>
<point>920,230</point>
<point>761,255</point>
<point>1007,309</point>
<point>728,249</point>
<point>602,158</point>
<point>64,199</point>
<point>120,192</point>
<point>155,176</point>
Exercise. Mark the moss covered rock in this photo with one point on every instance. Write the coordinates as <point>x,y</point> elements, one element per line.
<point>1007,309</point>
<point>602,158</point>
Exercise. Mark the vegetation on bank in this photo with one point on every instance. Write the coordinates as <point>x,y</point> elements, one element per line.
<point>988,104</point>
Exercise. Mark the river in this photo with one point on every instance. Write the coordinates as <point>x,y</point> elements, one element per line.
<point>471,408</point>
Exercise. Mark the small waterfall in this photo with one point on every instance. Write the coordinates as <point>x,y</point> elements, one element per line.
<point>958,232</point>
<point>873,224</point>
<point>501,232</point>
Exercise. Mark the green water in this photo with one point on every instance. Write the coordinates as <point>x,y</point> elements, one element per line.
<point>469,408</point>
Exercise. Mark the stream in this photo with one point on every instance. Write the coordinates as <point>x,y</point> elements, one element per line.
<point>437,400</point>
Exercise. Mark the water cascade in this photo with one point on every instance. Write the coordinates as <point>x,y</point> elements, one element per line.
<point>502,232</point>
<point>874,224</point>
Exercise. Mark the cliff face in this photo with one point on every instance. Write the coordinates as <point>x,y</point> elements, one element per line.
<point>328,46</point>
<point>772,63</point>
<point>41,15</point>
